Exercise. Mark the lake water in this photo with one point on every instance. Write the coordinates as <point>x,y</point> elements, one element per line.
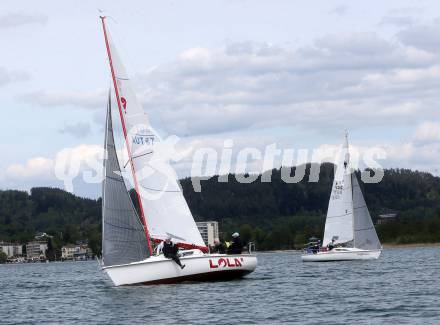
<point>401,287</point>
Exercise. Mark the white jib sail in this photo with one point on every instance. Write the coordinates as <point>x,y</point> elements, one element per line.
<point>365,235</point>
<point>339,222</point>
<point>164,206</point>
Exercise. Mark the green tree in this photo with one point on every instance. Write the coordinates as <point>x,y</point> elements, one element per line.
<point>273,214</point>
<point>3,257</point>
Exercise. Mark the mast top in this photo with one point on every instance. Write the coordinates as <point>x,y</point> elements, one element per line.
<point>345,138</point>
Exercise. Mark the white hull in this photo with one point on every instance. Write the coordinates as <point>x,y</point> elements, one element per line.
<point>198,267</point>
<point>342,254</point>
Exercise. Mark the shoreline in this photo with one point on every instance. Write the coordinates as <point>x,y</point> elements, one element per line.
<point>389,245</point>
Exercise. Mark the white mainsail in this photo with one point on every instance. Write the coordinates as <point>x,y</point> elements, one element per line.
<point>164,206</point>
<point>339,222</point>
<point>348,219</point>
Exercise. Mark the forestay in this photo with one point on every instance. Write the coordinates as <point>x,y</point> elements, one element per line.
<point>123,238</point>
<point>164,206</point>
<point>339,222</point>
<point>365,235</point>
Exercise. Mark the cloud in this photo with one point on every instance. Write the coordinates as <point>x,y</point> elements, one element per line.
<point>83,99</point>
<point>9,76</point>
<point>427,133</point>
<point>81,164</point>
<point>422,36</point>
<point>17,19</point>
<point>352,79</point>
<point>79,130</point>
<point>33,169</point>
<point>415,155</point>
<point>421,151</point>
<point>362,81</point>
<point>355,79</point>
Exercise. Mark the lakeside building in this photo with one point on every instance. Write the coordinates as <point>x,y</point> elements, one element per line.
<point>11,249</point>
<point>36,250</point>
<point>209,231</point>
<point>78,252</point>
<point>67,252</point>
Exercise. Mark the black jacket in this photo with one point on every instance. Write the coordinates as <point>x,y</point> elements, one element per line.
<point>236,247</point>
<point>169,249</point>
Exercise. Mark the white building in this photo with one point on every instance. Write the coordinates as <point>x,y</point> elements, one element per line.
<point>36,249</point>
<point>209,231</point>
<point>75,252</point>
<point>68,252</point>
<point>11,249</point>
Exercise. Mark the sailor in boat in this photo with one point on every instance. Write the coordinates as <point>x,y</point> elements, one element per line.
<point>169,250</point>
<point>237,246</point>
<point>313,246</point>
<point>219,247</point>
<point>331,245</point>
<point>318,246</point>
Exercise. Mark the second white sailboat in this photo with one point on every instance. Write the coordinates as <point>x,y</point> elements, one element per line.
<point>349,231</point>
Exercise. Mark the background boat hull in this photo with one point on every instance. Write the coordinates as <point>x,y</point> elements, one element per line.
<point>158,269</point>
<point>350,255</point>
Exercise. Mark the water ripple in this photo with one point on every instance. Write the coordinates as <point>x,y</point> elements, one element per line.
<point>401,287</point>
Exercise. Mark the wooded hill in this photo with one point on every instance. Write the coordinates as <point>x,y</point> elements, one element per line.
<point>275,215</point>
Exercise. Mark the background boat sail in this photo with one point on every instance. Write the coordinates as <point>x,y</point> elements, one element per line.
<point>348,223</point>
<point>127,250</point>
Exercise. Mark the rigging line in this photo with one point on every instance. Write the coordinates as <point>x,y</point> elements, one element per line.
<point>156,190</point>
<point>144,154</point>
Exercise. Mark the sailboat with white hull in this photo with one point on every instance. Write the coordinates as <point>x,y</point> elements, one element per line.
<point>349,229</point>
<point>127,253</point>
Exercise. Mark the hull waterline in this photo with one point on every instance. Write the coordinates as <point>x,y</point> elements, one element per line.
<point>159,270</point>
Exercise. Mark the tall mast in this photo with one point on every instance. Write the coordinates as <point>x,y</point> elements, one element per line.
<point>127,143</point>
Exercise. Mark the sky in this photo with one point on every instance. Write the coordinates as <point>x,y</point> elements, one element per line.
<point>294,73</point>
